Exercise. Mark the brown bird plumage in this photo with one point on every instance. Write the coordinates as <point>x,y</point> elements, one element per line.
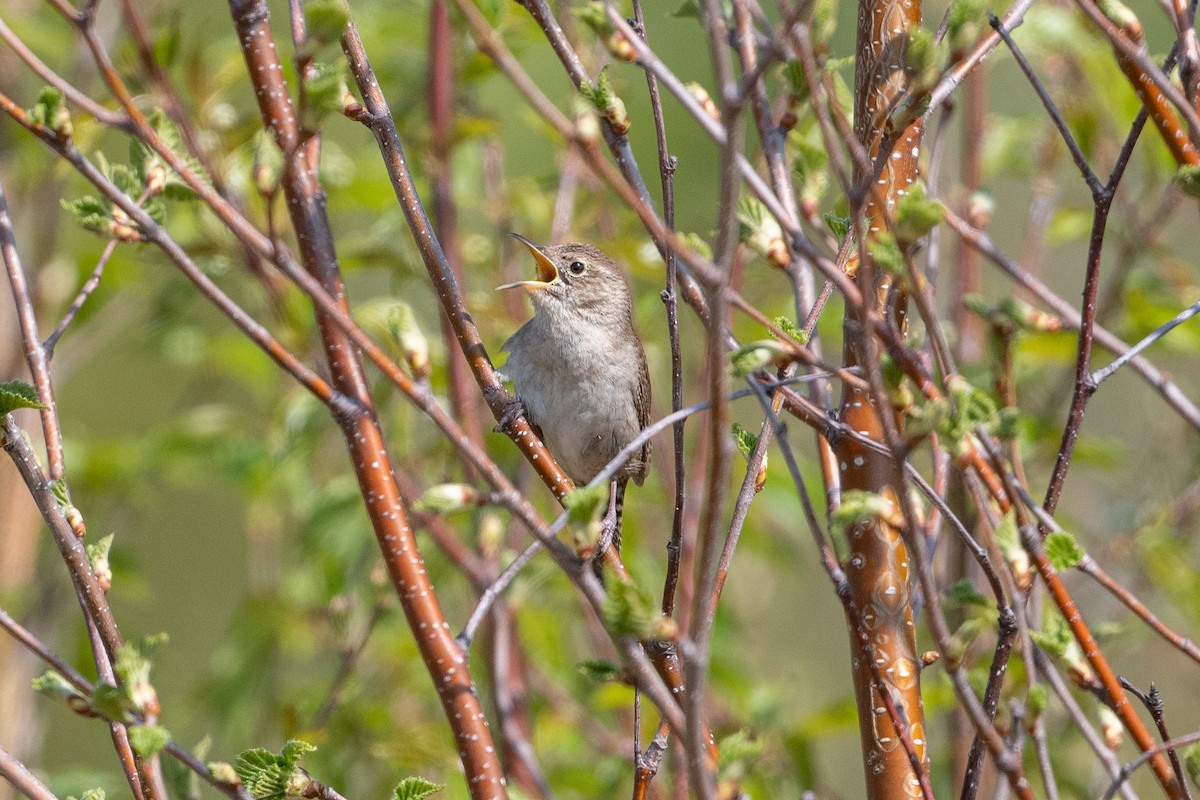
<point>578,366</point>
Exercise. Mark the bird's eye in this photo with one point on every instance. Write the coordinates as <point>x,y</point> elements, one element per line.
<point>577,267</point>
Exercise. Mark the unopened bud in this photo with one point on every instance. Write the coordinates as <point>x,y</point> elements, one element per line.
<point>617,116</point>
<point>156,178</point>
<point>447,498</point>
<point>98,557</point>
<point>1111,728</point>
<point>760,479</point>
<point>980,206</point>
<point>223,772</point>
<point>930,657</point>
<point>620,47</point>
<point>402,325</point>
<point>587,126</point>
<point>491,534</point>
<point>124,233</point>
<point>73,515</point>
<point>705,100</point>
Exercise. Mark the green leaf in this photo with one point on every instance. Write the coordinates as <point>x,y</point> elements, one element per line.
<point>964,22</point>
<point>585,503</point>
<point>756,355</point>
<point>97,554</point>
<point>133,664</point>
<point>746,440</point>
<point>786,325</point>
<point>1055,636</point>
<point>325,20</point>
<point>629,611</point>
<point>1188,178</point>
<point>1191,763</point>
<point>965,593</point>
<point>92,214</point>
<point>17,394</point>
<point>416,789</point>
<point>916,215</point>
<point>148,740</point>
<point>1038,699</point>
<point>293,751</point>
<point>859,506</point>
<point>90,794</point>
<point>595,17</point>
<point>736,754</point>
<point>1063,550</point>
<point>112,702</point>
<point>839,225</point>
<point>261,774</point>
<point>53,685</point>
<point>687,9</point>
<point>322,93</point>
<point>51,111</point>
<point>601,671</point>
<point>887,254</point>
<point>266,775</point>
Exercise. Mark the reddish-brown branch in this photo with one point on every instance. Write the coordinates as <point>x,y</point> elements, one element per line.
<point>1116,698</point>
<point>22,779</point>
<point>463,399</point>
<point>877,564</point>
<point>1160,98</point>
<point>35,354</point>
<point>364,439</point>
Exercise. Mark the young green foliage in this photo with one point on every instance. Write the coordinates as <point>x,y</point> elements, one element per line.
<point>601,671</point>
<point>965,593</point>
<point>605,100</point>
<point>148,740</point>
<point>267,776</point>
<point>52,112</point>
<point>838,225</point>
<point>323,92</point>
<point>886,253</point>
<point>152,172</point>
<point>132,665</point>
<point>1191,763</point>
<point>916,215</point>
<point>18,394</point>
<point>90,794</point>
<point>1063,550</point>
<point>630,611</point>
<point>414,788</point>
<point>756,355</point>
<point>746,440</point>
<point>324,21</point>
<point>97,554</point>
<point>786,325</point>
<point>761,232</point>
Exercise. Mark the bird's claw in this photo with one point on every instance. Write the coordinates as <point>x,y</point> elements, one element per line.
<point>516,408</point>
<point>608,531</point>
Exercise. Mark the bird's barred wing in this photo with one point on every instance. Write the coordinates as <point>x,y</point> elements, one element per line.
<point>641,402</point>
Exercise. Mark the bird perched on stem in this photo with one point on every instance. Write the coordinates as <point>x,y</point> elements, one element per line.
<point>579,370</point>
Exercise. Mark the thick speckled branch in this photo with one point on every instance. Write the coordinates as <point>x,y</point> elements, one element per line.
<point>445,661</point>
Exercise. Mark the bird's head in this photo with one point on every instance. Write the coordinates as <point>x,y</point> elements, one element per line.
<point>576,277</point>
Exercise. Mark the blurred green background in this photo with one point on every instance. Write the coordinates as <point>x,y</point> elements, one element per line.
<point>239,529</point>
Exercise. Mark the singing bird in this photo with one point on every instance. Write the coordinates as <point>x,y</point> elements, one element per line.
<point>579,369</point>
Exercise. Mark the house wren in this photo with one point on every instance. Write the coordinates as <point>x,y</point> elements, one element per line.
<point>579,369</point>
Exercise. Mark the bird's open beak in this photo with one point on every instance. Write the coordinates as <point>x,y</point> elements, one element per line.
<point>547,273</point>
